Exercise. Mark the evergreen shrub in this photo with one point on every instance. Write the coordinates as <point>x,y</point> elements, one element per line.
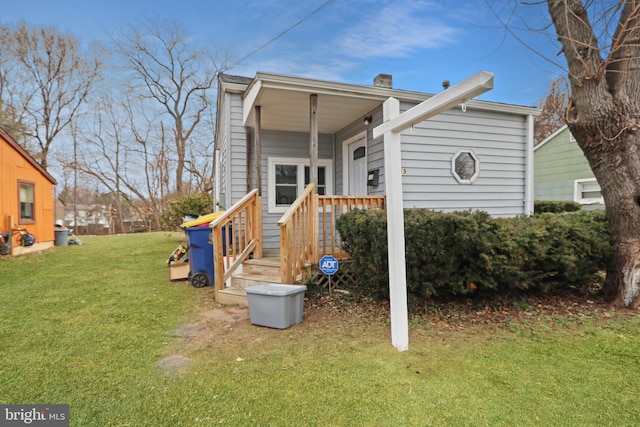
<point>555,206</point>
<point>173,215</point>
<point>450,254</point>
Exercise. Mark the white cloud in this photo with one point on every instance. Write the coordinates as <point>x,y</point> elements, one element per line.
<point>397,30</point>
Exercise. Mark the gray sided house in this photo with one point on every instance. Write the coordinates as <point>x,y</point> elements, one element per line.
<point>562,172</point>
<point>477,157</point>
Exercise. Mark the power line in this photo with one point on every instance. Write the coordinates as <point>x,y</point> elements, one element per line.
<point>309,15</point>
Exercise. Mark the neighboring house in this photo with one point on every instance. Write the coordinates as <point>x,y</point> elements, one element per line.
<point>91,218</point>
<point>479,157</point>
<point>60,208</point>
<point>26,196</point>
<point>562,172</point>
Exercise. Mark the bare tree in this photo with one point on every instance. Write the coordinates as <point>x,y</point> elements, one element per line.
<point>177,78</point>
<point>126,159</point>
<point>45,77</point>
<point>102,155</point>
<point>552,108</point>
<point>601,44</point>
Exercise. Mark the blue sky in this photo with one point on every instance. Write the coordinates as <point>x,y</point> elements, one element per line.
<point>420,42</point>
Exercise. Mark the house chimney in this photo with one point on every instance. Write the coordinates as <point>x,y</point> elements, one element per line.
<point>383,80</point>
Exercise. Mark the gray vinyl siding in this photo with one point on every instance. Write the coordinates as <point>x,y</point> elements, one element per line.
<point>289,145</point>
<point>498,140</point>
<point>237,155</point>
<point>222,144</point>
<point>375,155</point>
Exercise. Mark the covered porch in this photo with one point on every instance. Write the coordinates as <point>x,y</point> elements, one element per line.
<point>308,232</point>
<point>301,131</point>
<point>307,143</point>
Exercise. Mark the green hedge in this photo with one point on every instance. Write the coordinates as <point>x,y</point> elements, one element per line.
<point>555,206</point>
<point>449,254</point>
<point>173,215</point>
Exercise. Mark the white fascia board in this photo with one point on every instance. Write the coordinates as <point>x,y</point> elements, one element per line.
<point>264,80</point>
<point>502,108</point>
<point>303,84</point>
<point>249,100</point>
<point>463,91</point>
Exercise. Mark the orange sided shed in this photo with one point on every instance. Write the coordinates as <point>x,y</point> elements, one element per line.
<point>26,196</point>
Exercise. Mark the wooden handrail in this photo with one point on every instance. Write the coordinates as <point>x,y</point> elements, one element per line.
<point>236,235</point>
<point>299,235</point>
<point>308,229</point>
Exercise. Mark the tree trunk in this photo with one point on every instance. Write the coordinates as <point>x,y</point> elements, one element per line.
<point>617,168</point>
<point>602,116</point>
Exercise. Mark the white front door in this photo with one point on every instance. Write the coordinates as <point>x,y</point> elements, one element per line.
<point>358,168</point>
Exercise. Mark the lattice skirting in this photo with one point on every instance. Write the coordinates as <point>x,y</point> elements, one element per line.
<point>345,277</point>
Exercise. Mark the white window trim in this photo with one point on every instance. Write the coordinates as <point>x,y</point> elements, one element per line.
<point>453,166</point>
<point>577,192</point>
<point>571,137</point>
<point>301,163</point>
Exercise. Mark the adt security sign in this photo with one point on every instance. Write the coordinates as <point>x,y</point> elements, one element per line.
<point>328,265</point>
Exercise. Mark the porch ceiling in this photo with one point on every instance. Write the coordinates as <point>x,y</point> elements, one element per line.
<point>287,110</point>
<point>285,102</point>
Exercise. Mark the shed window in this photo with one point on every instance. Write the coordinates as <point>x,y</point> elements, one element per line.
<point>26,196</point>
<point>465,166</point>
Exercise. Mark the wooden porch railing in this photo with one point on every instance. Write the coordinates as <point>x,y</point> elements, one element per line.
<point>329,209</point>
<point>298,235</point>
<point>308,229</point>
<point>235,235</point>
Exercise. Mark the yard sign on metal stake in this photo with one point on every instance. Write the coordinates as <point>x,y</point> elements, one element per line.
<point>329,266</point>
<point>393,124</point>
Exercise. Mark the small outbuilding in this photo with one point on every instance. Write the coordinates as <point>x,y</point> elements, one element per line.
<point>27,202</point>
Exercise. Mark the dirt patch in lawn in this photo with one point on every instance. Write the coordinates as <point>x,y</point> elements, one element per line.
<point>226,331</point>
<point>174,365</point>
<point>229,315</point>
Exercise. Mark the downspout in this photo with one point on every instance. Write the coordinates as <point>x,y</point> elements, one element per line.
<point>529,165</point>
<point>216,180</point>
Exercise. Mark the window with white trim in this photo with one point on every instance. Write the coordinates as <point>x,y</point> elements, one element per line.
<point>587,191</point>
<point>465,166</point>
<point>26,195</point>
<point>287,178</point>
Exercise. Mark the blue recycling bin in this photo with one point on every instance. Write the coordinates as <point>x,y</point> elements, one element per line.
<point>201,254</point>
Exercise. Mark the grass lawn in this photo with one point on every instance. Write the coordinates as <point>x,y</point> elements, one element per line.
<point>100,327</point>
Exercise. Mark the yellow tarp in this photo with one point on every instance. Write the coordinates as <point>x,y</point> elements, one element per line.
<point>203,219</point>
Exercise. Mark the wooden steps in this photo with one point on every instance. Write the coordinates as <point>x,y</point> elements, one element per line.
<point>254,272</point>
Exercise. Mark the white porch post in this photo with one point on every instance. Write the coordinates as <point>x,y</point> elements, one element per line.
<point>395,230</point>
<point>393,124</point>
